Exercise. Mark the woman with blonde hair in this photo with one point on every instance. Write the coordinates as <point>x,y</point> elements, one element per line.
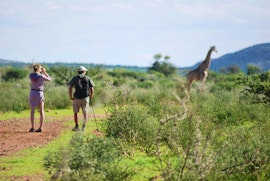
<point>36,97</point>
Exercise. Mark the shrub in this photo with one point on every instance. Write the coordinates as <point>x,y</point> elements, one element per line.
<point>57,97</point>
<point>62,75</point>
<point>134,125</point>
<point>124,73</point>
<point>146,85</point>
<point>88,158</point>
<point>15,74</point>
<point>14,97</point>
<point>244,154</point>
<point>257,87</point>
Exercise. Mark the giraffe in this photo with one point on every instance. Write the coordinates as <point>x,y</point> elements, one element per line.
<point>200,73</point>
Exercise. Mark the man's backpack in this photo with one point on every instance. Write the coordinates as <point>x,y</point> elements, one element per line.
<point>82,87</point>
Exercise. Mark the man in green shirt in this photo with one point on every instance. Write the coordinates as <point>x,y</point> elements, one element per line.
<point>84,92</point>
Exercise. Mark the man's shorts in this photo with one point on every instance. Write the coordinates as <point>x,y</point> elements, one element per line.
<point>81,103</point>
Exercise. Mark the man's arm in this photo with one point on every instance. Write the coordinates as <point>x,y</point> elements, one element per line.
<point>92,90</point>
<point>70,93</point>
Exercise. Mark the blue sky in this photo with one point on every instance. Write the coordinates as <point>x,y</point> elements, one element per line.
<point>129,32</point>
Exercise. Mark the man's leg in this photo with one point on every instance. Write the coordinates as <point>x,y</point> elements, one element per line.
<point>85,118</point>
<point>76,119</point>
<point>85,109</point>
<point>76,128</point>
<point>75,110</point>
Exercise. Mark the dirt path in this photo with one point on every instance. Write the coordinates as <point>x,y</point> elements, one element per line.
<point>14,135</point>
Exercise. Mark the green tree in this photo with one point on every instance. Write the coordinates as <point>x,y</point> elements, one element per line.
<point>252,69</point>
<point>167,57</point>
<point>62,75</point>
<point>232,69</point>
<point>157,56</point>
<point>164,67</point>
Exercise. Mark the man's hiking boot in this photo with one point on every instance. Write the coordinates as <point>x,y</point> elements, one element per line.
<point>38,130</point>
<point>83,128</point>
<point>76,128</point>
<point>32,130</point>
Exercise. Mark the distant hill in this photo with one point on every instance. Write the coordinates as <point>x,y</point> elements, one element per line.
<point>257,55</point>
<point>12,63</point>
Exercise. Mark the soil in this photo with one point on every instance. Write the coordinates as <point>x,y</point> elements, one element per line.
<point>15,135</point>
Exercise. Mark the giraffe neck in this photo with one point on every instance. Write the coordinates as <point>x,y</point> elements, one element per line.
<point>206,63</point>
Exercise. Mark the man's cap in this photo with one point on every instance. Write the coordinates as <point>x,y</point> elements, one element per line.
<point>82,68</point>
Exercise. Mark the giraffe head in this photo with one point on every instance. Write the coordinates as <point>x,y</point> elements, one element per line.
<point>213,49</point>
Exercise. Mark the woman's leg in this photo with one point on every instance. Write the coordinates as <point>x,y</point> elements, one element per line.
<point>41,112</point>
<point>32,117</point>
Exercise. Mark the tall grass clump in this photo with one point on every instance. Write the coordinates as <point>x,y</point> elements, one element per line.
<point>88,158</point>
<point>223,108</point>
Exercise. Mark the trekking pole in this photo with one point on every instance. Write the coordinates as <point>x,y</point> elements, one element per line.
<point>91,103</point>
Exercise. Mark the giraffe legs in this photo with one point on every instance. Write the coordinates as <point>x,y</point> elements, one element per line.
<point>204,79</point>
<point>203,82</point>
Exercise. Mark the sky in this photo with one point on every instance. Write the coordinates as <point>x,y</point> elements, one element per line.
<point>129,32</point>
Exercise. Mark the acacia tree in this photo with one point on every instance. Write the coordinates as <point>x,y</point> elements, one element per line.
<point>164,67</point>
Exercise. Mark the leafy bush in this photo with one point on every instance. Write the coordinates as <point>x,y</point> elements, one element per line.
<point>220,82</point>
<point>89,159</point>
<point>252,69</point>
<point>14,97</point>
<point>146,85</point>
<point>14,74</point>
<point>134,125</point>
<point>57,98</point>
<point>62,75</point>
<point>257,87</point>
<point>244,153</point>
<point>124,73</point>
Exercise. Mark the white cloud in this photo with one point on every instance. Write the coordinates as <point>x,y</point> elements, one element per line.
<point>51,5</point>
<point>88,8</point>
<point>12,8</point>
<point>122,6</point>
